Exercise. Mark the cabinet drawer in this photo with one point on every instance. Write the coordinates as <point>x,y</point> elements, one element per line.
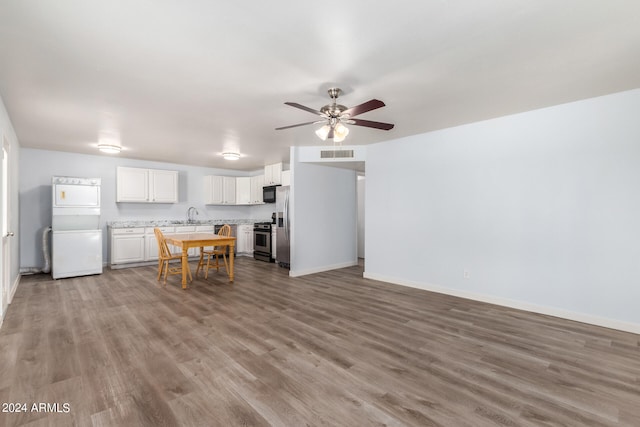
<point>165,230</point>
<point>131,230</point>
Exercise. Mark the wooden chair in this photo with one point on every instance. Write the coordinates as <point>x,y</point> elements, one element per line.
<point>165,256</point>
<point>217,251</point>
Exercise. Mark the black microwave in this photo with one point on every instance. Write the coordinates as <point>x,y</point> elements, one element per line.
<point>269,193</point>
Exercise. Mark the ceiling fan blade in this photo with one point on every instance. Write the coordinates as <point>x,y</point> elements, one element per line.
<point>299,124</point>
<point>302,107</point>
<point>370,124</point>
<point>363,108</point>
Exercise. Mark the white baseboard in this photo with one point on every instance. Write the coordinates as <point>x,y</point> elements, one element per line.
<point>12,292</point>
<point>14,288</point>
<point>298,273</point>
<point>520,305</point>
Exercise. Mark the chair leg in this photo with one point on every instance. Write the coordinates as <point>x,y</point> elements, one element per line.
<point>166,271</point>
<point>160,265</point>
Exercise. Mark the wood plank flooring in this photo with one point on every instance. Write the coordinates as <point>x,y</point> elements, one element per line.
<point>330,349</point>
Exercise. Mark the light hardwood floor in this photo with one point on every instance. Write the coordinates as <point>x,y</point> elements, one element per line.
<point>329,349</point>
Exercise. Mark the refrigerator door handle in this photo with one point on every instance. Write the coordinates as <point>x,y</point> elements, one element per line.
<point>286,215</point>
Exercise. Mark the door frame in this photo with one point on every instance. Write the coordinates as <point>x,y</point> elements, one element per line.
<point>5,227</point>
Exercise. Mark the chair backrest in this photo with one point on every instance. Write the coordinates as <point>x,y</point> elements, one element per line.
<point>163,249</point>
<point>225,230</point>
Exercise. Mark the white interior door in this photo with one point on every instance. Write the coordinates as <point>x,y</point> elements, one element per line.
<point>5,229</point>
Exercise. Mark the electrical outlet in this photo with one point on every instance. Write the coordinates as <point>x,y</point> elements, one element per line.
<point>466,274</point>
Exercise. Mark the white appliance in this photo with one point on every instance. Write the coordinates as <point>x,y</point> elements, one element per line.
<point>76,237</point>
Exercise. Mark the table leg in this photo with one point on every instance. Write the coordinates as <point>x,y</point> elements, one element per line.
<point>185,266</point>
<point>231,250</point>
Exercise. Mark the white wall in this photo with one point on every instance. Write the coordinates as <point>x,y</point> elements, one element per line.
<point>541,208</point>
<point>6,131</point>
<point>360,193</point>
<point>38,166</point>
<point>323,209</point>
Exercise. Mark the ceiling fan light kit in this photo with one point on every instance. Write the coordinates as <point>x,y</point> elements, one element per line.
<point>323,132</point>
<point>335,116</point>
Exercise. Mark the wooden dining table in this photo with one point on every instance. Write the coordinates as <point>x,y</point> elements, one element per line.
<point>200,240</point>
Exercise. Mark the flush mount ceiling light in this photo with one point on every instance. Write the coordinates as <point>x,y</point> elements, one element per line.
<point>109,147</point>
<point>231,156</point>
<point>109,141</point>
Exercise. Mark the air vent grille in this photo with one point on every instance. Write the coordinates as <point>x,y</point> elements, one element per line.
<point>336,154</point>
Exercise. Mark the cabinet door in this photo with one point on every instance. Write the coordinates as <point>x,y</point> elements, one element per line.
<point>273,174</point>
<point>229,190</point>
<point>248,236</point>
<point>243,190</point>
<point>245,239</point>
<point>132,185</point>
<point>163,186</point>
<point>240,243</point>
<point>257,182</point>
<point>286,177</point>
<point>127,248</point>
<point>213,190</point>
<point>151,253</point>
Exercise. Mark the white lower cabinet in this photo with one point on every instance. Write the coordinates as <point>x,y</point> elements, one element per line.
<point>127,245</point>
<point>151,242</point>
<point>138,244</point>
<point>244,240</point>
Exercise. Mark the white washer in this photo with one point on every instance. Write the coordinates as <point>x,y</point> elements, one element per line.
<point>76,242</point>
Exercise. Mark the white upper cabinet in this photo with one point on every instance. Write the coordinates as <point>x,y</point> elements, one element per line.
<point>243,190</point>
<point>213,190</point>
<point>146,185</point>
<point>257,182</point>
<point>163,186</point>
<point>229,192</point>
<point>273,174</point>
<point>286,178</point>
<point>219,190</point>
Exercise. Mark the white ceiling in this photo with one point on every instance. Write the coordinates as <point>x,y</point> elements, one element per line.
<point>184,81</point>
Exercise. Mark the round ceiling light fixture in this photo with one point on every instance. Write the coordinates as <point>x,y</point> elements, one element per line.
<point>231,156</point>
<point>109,141</point>
<point>110,148</point>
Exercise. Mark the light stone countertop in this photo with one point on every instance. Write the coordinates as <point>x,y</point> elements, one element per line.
<point>178,222</point>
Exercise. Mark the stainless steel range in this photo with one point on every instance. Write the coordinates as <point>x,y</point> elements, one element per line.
<point>262,241</point>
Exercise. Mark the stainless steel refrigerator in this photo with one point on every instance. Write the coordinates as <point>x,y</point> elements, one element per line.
<point>283,230</point>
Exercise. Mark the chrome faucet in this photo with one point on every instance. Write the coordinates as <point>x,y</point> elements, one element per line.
<point>190,212</point>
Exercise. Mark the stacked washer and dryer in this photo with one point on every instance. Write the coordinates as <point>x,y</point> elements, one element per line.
<point>76,243</point>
